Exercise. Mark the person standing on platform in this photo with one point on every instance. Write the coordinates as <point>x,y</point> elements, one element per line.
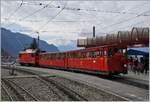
<point>146,65</point>
<point>135,68</point>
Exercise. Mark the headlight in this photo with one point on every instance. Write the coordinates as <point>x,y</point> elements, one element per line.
<point>125,65</point>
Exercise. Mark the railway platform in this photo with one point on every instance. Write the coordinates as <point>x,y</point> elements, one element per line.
<point>140,76</point>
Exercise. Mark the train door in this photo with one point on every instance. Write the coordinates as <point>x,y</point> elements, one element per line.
<point>101,61</point>
<point>105,53</point>
<point>66,60</point>
<point>116,60</point>
<point>37,55</point>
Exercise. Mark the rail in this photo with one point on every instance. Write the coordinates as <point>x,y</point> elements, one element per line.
<point>12,84</point>
<point>71,93</point>
<point>8,94</point>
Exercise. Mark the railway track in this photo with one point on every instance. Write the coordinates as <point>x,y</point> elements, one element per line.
<point>72,95</point>
<point>21,93</point>
<point>6,92</point>
<point>49,82</point>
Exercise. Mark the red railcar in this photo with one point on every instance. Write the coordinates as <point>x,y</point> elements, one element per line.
<point>27,57</point>
<point>104,59</point>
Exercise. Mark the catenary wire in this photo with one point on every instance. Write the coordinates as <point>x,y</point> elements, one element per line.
<point>53,17</point>
<point>112,25</point>
<point>31,14</point>
<point>12,14</point>
<point>94,10</point>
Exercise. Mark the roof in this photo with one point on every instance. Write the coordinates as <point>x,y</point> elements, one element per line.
<point>86,49</point>
<point>28,51</point>
<point>136,52</point>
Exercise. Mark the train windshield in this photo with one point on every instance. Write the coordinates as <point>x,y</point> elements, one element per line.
<point>112,51</point>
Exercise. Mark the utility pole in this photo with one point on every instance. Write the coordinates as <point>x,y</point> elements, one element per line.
<point>38,50</point>
<point>93,31</point>
<point>38,41</point>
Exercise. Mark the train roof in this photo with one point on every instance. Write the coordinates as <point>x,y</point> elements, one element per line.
<point>85,49</point>
<point>28,51</point>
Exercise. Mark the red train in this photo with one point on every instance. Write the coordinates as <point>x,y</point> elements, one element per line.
<point>108,60</point>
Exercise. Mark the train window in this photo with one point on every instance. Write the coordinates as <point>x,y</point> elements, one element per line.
<point>91,54</point>
<point>69,55</point>
<point>96,53</point>
<point>110,51</point>
<point>79,55</point>
<point>46,57</point>
<point>52,56</point>
<point>87,54</point>
<point>123,51</point>
<point>100,52</point>
<point>83,55</point>
<point>33,55</point>
<point>75,55</point>
<point>63,55</point>
<point>49,56</point>
<point>105,52</point>
<point>60,56</point>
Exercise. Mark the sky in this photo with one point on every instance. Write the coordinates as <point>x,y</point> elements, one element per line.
<point>62,22</point>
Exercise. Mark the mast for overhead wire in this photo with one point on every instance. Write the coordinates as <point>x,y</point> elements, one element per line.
<point>93,31</point>
<point>38,46</point>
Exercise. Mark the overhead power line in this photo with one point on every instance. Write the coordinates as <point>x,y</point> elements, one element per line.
<point>92,10</point>
<point>15,10</point>
<point>31,14</point>
<point>126,27</point>
<point>126,20</point>
<point>52,17</point>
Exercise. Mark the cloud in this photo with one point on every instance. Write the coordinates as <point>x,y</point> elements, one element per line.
<point>79,23</point>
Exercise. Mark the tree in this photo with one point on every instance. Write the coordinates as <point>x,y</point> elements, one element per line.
<point>33,44</point>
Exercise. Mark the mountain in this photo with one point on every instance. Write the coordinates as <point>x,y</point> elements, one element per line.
<point>12,42</point>
<point>4,53</point>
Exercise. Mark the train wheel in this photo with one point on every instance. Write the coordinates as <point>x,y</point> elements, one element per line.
<point>110,74</point>
<point>21,64</point>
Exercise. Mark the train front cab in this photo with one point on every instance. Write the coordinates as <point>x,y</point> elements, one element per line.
<point>27,58</point>
<point>117,60</point>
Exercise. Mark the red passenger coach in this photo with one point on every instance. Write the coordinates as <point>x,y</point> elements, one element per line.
<point>52,59</point>
<point>106,59</point>
<point>27,57</point>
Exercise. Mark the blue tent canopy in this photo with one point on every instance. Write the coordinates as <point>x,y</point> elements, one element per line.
<point>136,52</point>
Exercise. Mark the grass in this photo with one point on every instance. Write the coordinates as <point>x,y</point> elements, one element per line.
<point>5,98</point>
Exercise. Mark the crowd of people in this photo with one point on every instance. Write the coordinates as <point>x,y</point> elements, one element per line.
<point>139,65</point>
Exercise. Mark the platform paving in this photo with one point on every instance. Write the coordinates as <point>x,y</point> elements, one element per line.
<point>141,76</point>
